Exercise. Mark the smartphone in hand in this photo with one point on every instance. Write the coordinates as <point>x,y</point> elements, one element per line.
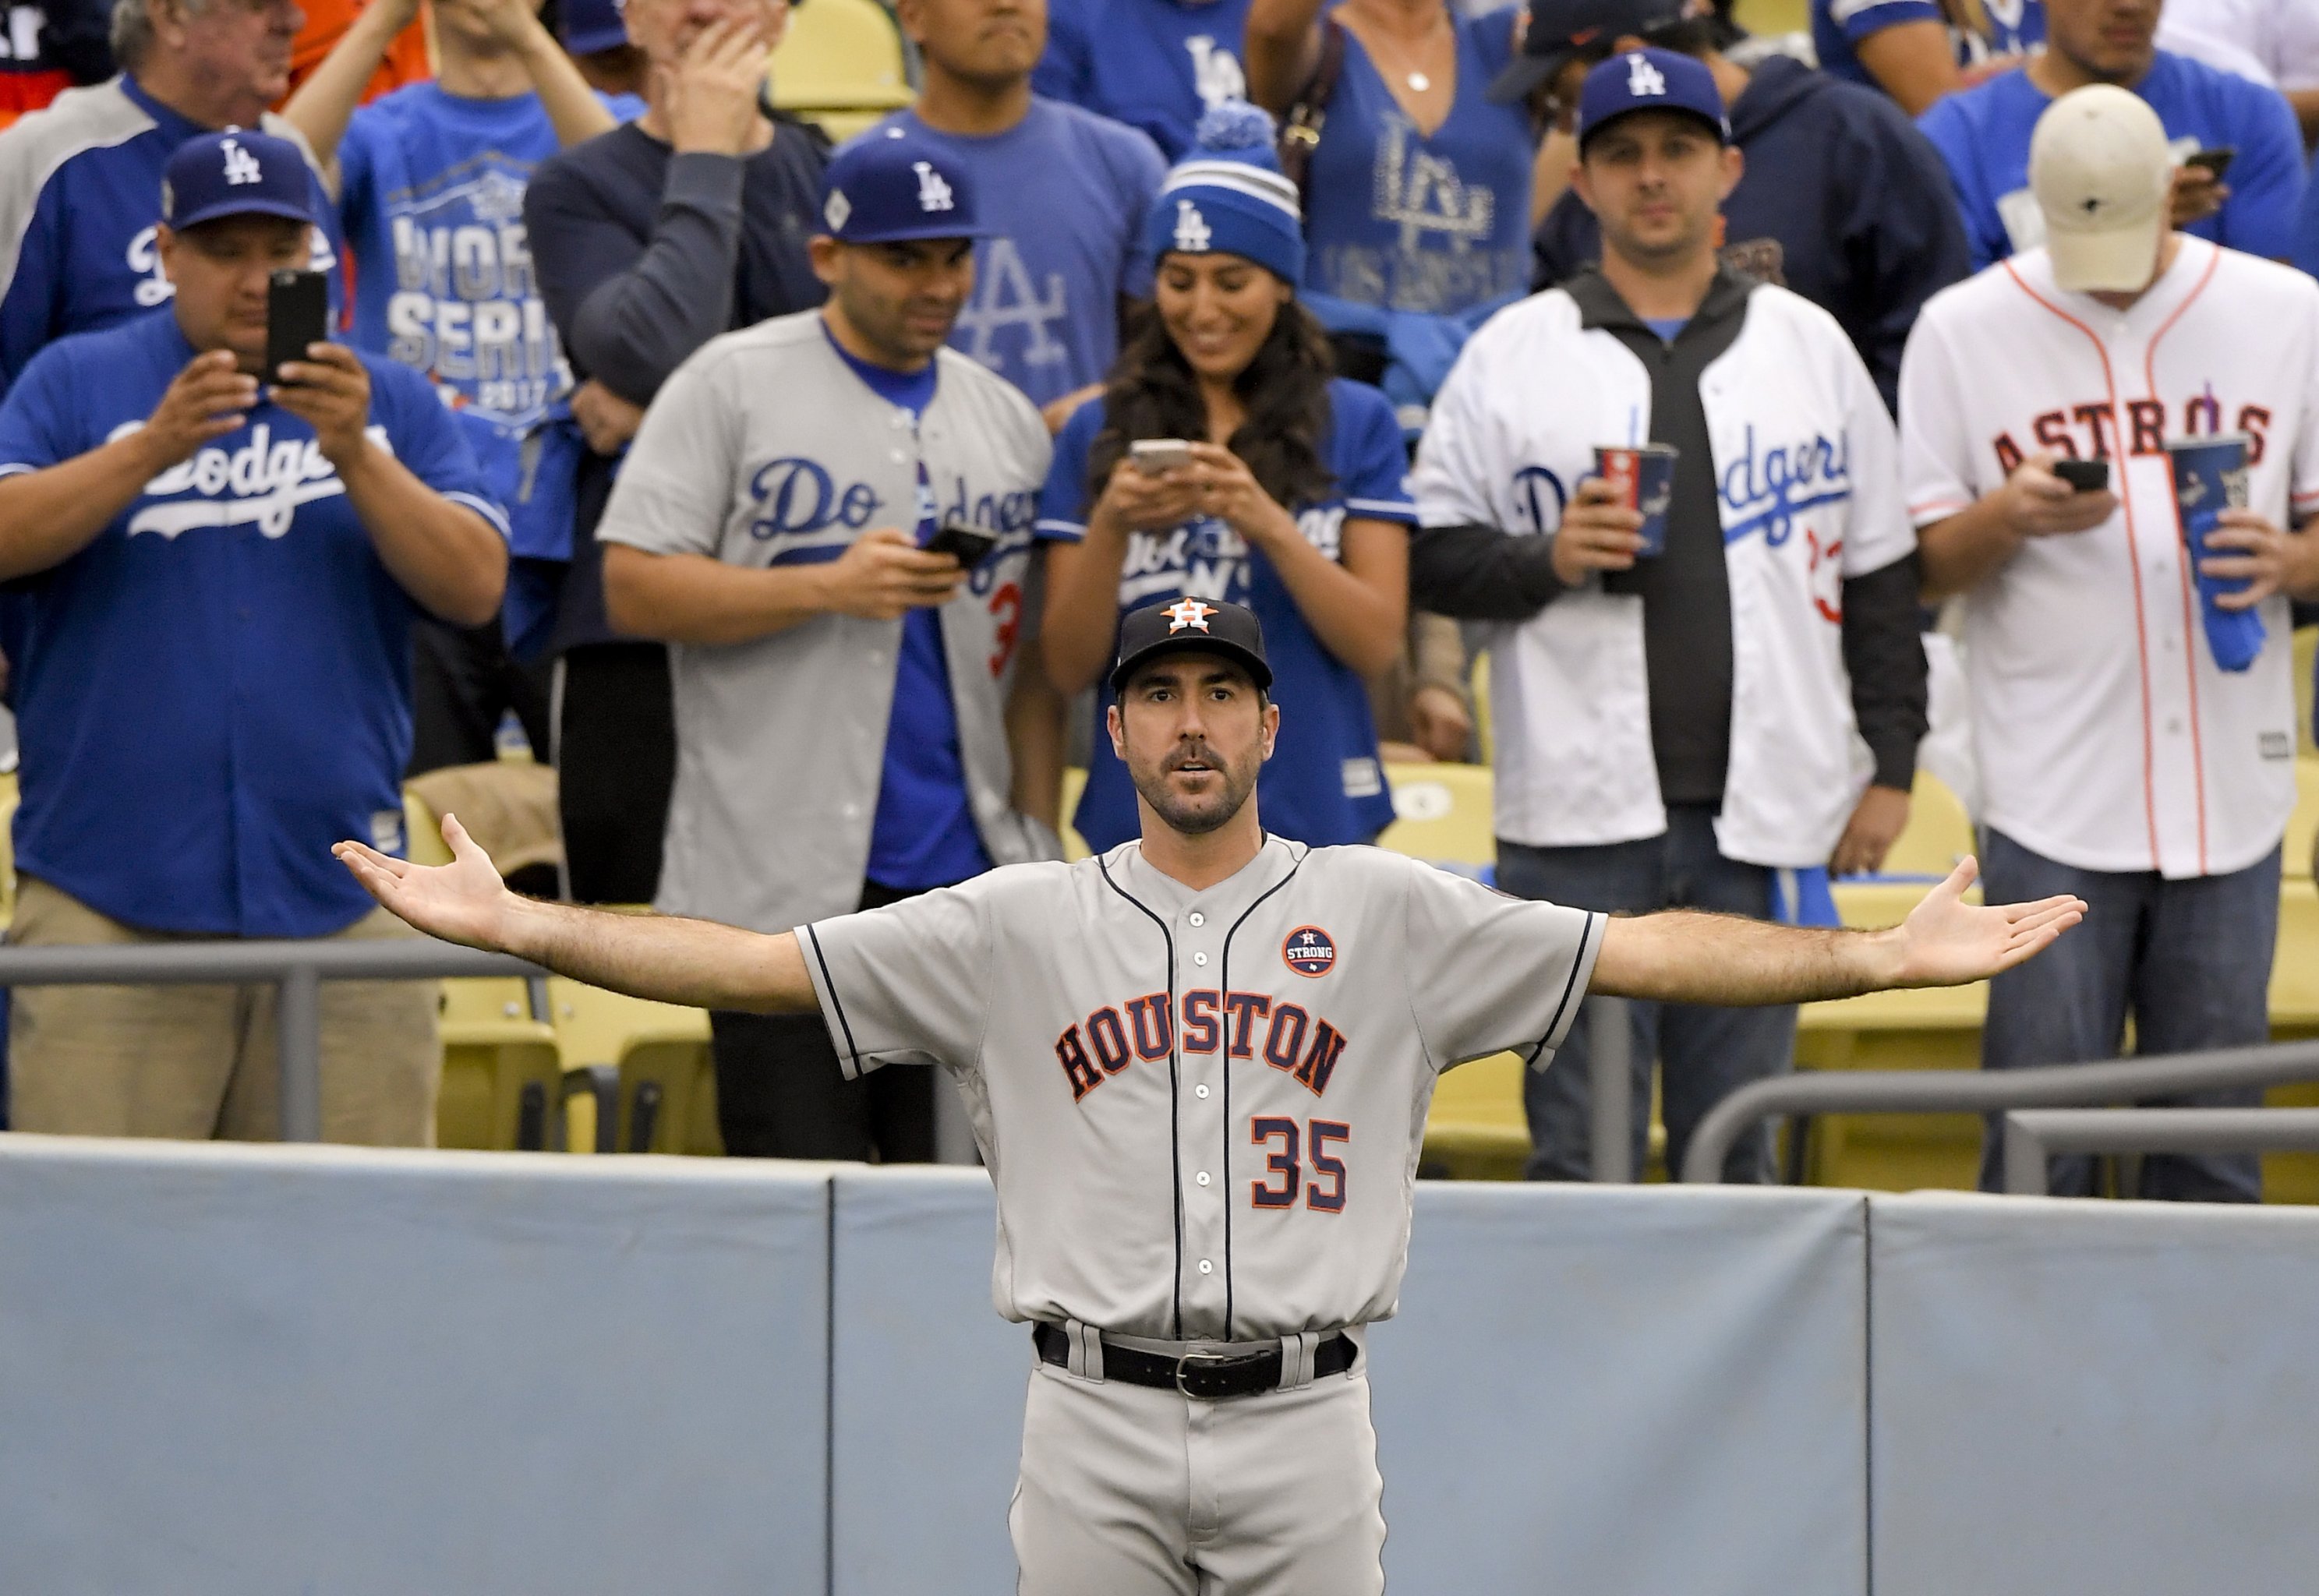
<point>2215,162</point>
<point>297,313</point>
<point>1153,456</point>
<point>969,546</point>
<point>2084,476</point>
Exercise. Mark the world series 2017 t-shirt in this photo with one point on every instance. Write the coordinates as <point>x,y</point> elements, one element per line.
<point>1064,192</point>
<point>217,688</point>
<point>432,188</point>
<point>1434,223</point>
<point>1983,136</point>
<point>1155,65</point>
<point>1323,784</point>
<point>2011,29</point>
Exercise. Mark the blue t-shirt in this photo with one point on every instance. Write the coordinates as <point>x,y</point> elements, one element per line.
<point>1407,223</point>
<point>1323,784</point>
<point>2307,230</point>
<point>1983,136</point>
<point>431,196</point>
<point>87,256</point>
<point>923,834</point>
<point>1155,65</point>
<point>2015,28</point>
<point>217,688</point>
<point>1064,192</point>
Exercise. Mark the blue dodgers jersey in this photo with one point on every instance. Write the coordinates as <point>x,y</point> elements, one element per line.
<point>432,188</point>
<point>218,688</point>
<point>1064,192</point>
<point>83,256</point>
<point>1405,221</point>
<point>2011,28</point>
<point>1323,784</point>
<point>1155,65</point>
<point>1983,137</point>
<point>922,834</point>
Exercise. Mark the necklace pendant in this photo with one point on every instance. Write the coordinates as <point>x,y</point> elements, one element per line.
<point>1419,83</point>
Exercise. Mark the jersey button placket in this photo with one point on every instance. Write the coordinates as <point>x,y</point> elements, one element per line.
<point>1205,1195</point>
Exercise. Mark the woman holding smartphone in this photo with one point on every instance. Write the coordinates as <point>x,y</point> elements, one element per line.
<point>1224,462</point>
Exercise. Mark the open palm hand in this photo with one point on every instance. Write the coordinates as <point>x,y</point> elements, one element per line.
<point>1946,942</point>
<point>464,901</point>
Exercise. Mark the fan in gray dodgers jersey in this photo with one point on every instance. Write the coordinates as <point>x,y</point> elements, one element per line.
<point>1198,1067</point>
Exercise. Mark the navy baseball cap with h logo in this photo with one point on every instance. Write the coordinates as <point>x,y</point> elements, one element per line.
<point>1191,626</point>
<point>889,186</point>
<point>1650,79</point>
<point>236,173</point>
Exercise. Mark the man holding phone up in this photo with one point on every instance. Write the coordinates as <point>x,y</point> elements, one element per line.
<point>1691,702</point>
<point>2127,743</point>
<point>829,517</point>
<point>217,560</point>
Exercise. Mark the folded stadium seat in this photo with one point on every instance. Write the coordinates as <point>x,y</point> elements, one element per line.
<point>1442,816</point>
<point>1074,783</point>
<point>1939,832</point>
<point>667,1082</point>
<point>2305,648</point>
<point>1936,1029</point>
<point>505,1085</point>
<point>2294,1178</point>
<point>841,64</point>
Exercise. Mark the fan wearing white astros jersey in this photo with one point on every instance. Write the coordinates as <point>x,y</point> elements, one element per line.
<point>1198,1066</point>
<point>2136,734</point>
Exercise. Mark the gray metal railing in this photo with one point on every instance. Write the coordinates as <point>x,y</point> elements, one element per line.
<point>2032,1135</point>
<point>1976,1091</point>
<point>297,970</point>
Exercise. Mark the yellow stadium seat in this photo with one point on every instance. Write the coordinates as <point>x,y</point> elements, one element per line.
<point>2303,824</point>
<point>1074,784</point>
<point>841,64</point>
<point>1442,816</point>
<point>2306,646</point>
<point>1476,1129</point>
<point>8,797</point>
<point>667,1080</point>
<point>503,1076</point>
<point>1939,832</point>
<point>1486,742</point>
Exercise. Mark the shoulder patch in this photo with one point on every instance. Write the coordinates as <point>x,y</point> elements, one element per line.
<point>1309,952</point>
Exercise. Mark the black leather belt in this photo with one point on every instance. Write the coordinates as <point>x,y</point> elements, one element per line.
<point>1209,1375</point>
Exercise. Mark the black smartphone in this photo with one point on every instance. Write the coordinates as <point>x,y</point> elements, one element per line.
<point>297,313</point>
<point>2086,476</point>
<point>2216,160</point>
<point>967,545</point>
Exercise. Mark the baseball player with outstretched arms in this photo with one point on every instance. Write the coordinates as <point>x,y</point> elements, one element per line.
<point>1198,1067</point>
<point>2132,716</point>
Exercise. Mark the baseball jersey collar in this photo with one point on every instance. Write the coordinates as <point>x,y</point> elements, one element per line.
<point>2162,300</point>
<point>1163,892</point>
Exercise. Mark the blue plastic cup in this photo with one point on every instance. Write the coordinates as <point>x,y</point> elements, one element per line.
<point>2210,476</point>
<point>1643,477</point>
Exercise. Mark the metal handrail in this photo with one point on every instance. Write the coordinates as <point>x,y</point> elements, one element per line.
<point>1978,1091</point>
<point>295,968</point>
<point>2032,1135</point>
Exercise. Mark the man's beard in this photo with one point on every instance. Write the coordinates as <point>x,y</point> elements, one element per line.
<point>1198,816</point>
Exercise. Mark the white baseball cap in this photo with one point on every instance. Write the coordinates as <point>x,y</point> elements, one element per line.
<point>2103,175</point>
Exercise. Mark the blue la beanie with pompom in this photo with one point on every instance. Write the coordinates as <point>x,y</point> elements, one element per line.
<point>1227,196</point>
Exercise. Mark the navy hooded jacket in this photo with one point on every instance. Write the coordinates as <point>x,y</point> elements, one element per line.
<point>1843,200</point>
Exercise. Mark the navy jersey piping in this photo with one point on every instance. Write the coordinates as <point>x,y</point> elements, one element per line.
<point>1223,982</point>
<point>1576,964</point>
<point>1175,1038</point>
<point>836,1002</point>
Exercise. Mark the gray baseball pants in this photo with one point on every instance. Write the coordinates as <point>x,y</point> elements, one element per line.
<point>1133,1490</point>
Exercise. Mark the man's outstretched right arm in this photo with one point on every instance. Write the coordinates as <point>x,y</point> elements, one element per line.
<point>694,962</point>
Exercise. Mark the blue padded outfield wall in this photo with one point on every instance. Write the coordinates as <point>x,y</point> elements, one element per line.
<point>239,1371</point>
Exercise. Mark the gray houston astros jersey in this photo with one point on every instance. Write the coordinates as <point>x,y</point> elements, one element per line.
<point>1202,1110</point>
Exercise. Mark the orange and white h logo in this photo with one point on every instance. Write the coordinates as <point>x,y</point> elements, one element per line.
<point>1188,612</point>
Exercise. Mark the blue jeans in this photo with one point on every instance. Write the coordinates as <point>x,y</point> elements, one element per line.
<point>1704,1053</point>
<point>2189,959</point>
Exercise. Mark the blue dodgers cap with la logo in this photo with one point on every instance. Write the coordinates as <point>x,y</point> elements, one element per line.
<point>889,186</point>
<point>1650,79</point>
<point>236,173</point>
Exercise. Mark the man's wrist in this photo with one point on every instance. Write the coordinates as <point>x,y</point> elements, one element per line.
<point>1883,957</point>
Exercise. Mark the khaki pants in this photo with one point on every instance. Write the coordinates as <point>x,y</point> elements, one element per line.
<point>197,1062</point>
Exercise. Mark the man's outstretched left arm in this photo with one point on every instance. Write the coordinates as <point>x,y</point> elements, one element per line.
<point>1684,957</point>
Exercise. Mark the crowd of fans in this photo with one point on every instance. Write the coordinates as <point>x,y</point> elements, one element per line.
<point>657,423</point>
